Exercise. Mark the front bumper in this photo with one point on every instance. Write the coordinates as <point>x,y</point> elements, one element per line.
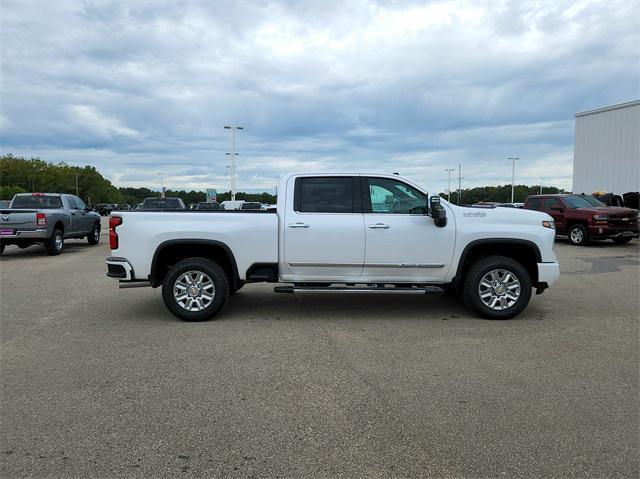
<point>548,273</point>
<point>119,268</point>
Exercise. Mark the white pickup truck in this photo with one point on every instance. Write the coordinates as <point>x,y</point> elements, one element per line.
<point>338,233</point>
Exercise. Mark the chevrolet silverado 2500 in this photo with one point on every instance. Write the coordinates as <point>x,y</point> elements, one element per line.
<point>338,233</point>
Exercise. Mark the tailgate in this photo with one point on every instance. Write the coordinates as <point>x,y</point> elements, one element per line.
<point>18,219</point>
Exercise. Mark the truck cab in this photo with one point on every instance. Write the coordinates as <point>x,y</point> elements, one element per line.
<point>338,233</point>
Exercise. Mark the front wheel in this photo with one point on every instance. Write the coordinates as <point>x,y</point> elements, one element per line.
<point>55,244</point>
<point>578,235</point>
<point>497,287</point>
<point>94,236</point>
<point>195,289</point>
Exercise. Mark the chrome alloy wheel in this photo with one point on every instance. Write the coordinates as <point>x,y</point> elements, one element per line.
<point>499,289</point>
<point>576,235</point>
<point>96,233</point>
<point>58,242</point>
<point>194,290</point>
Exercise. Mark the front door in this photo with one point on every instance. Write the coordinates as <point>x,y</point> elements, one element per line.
<point>556,214</point>
<point>323,229</point>
<point>402,243</point>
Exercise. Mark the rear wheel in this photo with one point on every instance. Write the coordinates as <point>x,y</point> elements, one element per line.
<point>1,248</point>
<point>622,240</point>
<point>195,289</point>
<point>578,235</point>
<point>94,236</point>
<point>55,244</point>
<point>497,287</point>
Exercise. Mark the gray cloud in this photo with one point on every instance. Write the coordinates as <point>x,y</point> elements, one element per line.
<point>412,87</point>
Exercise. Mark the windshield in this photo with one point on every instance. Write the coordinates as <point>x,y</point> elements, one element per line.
<point>37,202</point>
<point>579,201</point>
<point>592,200</point>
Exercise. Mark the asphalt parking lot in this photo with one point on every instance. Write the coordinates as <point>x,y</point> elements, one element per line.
<point>101,382</point>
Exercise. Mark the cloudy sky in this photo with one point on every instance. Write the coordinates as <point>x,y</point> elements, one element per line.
<point>136,88</point>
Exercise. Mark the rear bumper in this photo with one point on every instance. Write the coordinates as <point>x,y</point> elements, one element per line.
<point>548,273</point>
<point>119,268</point>
<point>39,234</point>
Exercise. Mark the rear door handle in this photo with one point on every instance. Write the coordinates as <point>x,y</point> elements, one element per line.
<point>298,225</point>
<point>381,226</point>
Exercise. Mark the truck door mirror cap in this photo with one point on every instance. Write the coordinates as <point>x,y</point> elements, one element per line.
<point>557,207</point>
<point>438,213</point>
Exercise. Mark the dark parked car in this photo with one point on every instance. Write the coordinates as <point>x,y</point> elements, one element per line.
<point>251,205</point>
<point>209,206</point>
<point>583,218</point>
<point>156,203</point>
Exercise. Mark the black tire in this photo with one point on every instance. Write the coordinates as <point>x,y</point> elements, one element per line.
<point>1,248</point>
<point>53,244</point>
<point>578,235</point>
<point>94,235</point>
<point>623,240</point>
<point>209,268</point>
<point>484,266</point>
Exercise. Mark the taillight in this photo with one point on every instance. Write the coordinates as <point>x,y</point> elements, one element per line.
<point>113,236</point>
<point>41,219</point>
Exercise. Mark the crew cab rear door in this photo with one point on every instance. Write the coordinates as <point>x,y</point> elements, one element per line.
<point>402,243</point>
<point>323,228</point>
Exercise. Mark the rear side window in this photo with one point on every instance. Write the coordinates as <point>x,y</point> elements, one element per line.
<point>72,203</point>
<point>37,202</point>
<point>325,195</point>
<point>534,204</point>
<point>549,202</point>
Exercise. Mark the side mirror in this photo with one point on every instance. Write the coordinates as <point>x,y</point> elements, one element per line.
<point>557,207</point>
<point>438,213</point>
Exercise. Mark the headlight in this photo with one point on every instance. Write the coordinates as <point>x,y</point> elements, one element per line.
<point>600,217</point>
<point>549,224</point>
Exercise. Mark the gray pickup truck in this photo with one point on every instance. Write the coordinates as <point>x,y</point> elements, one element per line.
<point>49,219</point>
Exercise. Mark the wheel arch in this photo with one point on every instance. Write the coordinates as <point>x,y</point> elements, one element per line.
<point>170,252</point>
<point>523,251</point>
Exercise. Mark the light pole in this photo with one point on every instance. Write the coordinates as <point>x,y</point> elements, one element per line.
<point>449,170</point>
<point>513,173</point>
<point>459,183</point>
<point>161,184</point>
<point>233,158</point>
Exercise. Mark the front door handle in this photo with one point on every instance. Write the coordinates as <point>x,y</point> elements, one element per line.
<point>381,226</point>
<point>298,225</point>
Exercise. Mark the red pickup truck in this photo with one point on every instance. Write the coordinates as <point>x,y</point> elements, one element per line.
<point>583,218</point>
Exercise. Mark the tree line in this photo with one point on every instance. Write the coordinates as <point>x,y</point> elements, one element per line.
<point>19,175</point>
<point>500,193</point>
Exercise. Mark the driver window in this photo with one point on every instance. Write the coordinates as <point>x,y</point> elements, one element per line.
<point>394,197</point>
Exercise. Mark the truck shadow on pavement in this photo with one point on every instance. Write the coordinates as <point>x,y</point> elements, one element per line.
<point>252,305</point>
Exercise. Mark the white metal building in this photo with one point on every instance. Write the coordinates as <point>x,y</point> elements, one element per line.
<point>606,156</point>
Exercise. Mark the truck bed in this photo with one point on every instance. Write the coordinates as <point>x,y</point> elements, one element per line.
<point>252,235</point>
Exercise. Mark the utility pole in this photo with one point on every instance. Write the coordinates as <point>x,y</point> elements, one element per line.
<point>449,170</point>
<point>233,158</point>
<point>513,173</point>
